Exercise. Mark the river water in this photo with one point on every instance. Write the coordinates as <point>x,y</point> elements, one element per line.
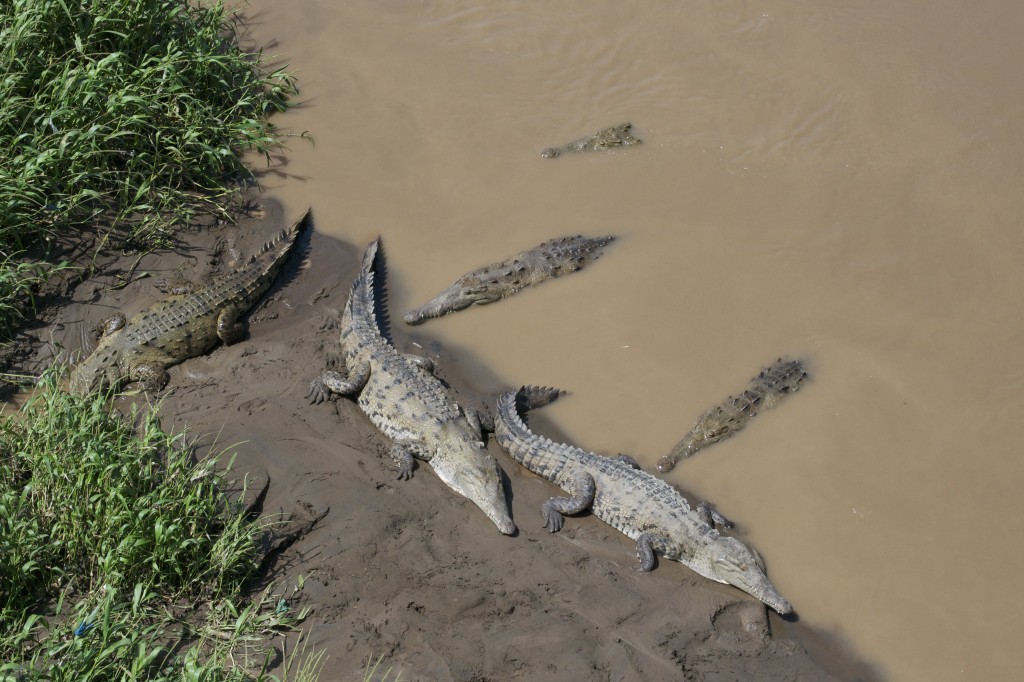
<point>836,181</point>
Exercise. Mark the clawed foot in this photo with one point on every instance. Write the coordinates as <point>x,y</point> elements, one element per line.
<point>713,517</point>
<point>645,552</point>
<point>318,392</point>
<point>553,520</point>
<point>405,471</point>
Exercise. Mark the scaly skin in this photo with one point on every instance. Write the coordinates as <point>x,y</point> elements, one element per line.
<point>405,401</point>
<point>724,420</point>
<point>182,327</point>
<point>553,258</point>
<point>632,501</point>
<point>614,136</point>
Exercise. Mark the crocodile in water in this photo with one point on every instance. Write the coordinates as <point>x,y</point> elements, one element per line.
<point>405,401</point>
<point>553,258</point>
<point>642,506</point>
<point>721,421</point>
<point>184,326</point>
<point>614,136</point>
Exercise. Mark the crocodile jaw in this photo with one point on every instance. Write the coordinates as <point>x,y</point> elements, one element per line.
<point>458,296</point>
<point>728,560</point>
<point>94,371</point>
<point>469,470</point>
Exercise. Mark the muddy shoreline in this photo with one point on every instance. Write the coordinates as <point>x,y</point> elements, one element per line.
<point>408,570</point>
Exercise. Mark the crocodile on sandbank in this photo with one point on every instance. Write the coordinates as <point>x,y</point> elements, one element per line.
<point>410,405</point>
<point>606,138</point>
<point>182,326</point>
<point>550,259</point>
<point>644,507</point>
<point>723,420</point>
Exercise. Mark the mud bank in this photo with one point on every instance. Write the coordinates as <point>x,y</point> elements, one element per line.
<point>408,570</point>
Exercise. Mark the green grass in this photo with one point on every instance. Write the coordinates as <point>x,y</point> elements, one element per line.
<point>125,556</point>
<point>124,116</point>
<point>19,280</point>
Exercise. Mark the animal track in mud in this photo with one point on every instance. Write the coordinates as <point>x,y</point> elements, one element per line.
<point>741,623</point>
<point>253,406</point>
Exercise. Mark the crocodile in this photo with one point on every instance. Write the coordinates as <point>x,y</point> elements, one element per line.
<point>401,396</point>
<point>723,420</point>
<point>550,259</point>
<point>644,507</point>
<point>183,326</point>
<point>613,136</point>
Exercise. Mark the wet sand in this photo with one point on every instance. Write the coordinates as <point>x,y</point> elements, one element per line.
<point>408,570</point>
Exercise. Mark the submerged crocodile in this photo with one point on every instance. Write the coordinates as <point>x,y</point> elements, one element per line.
<point>183,326</point>
<point>721,421</point>
<point>405,401</point>
<point>642,506</point>
<point>614,136</point>
<point>553,258</point>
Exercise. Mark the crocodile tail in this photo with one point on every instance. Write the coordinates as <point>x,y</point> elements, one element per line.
<point>536,453</point>
<point>285,239</point>
<point>582,249</point>
<point>367,270</point>
<point>513,404</point>
<point>531,397</point>
<point>362,298</point>
<point>782,376</point>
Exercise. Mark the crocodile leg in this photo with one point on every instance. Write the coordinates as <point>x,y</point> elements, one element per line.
<point>334,382</point>
<point>229,328</point>
<point>646,544</point>
<point>479,421</point>
<point>148,368</point>
<point>403,457</point>
<point>152,376</point>
<point>712,516</point>
<point>424,363</point>
<point>582,488</point>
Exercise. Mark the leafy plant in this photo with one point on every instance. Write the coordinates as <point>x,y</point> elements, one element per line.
<point>123,554</point>
<point>125,114</point>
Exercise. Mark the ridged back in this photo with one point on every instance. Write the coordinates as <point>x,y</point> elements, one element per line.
<point>243,287</point>
<point>538,454</point>
<point>361,309</point>
<point>575,247</point>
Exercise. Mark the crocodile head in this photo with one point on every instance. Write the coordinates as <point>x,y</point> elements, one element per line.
<point>95,372</point>
<point>464,293</point>
<point>468,469</point>
<point>728,560</point>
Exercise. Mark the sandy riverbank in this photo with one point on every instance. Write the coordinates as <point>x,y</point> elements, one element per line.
<point>409,570</point>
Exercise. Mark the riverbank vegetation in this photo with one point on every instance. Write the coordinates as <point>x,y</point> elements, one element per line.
<point>124,554</point>
<point>120,119</point>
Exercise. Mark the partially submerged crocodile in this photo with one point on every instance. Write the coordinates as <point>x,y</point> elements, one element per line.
<point>613,136</point>
<point>553,258</point>
<point>642,506</point>
<point>405,401</point>
<point>183,326</point>
<point>721,421</point>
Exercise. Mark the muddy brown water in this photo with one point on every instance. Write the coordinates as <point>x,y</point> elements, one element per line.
<point>835,181</point>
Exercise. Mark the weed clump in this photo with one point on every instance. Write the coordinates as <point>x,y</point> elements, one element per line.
<point>121,551</point>
<point>125,113</point>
